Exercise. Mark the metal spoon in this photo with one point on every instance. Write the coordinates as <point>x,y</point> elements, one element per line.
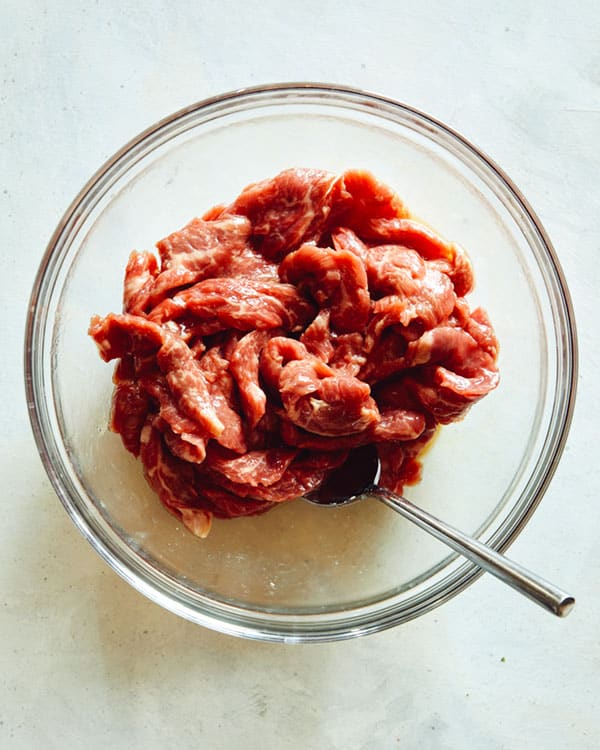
<point>358,478</point>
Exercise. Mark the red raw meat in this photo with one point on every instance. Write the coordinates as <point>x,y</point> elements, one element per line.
<point>119,336</point>
<point>335,279</point>
<point>204,246</point>
<point>188,385</point>
<point>287,210</point>
<point>303,475</point>
<point>451,258</point>
<point>259,467</point>
<point>128,415</point>
<point>173,480</point>
<point>358,198</point>
<point>244,365</point>
<point>223,399</point>
<point>273,335</point>
<point>318,338</point>
<point>140,277</point>
<point>243,304</point>
<point>205,249</point>
<point>313,395</point>
<point>192,438</point>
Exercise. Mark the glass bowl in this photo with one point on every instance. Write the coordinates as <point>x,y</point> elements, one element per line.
<point>302,573</point>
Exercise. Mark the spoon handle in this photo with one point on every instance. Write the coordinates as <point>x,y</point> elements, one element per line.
<point>540,591</point>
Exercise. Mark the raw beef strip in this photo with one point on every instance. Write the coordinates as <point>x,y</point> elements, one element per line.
<point>406,288</point>
<point>205,249</point>
<point>314,396</point>
<point>122,335</point>
<point>335,279</point>
<point>188,385</point>
<point>173,480</point>
<point>396,424</point>
<point>303,475</point>
<point>140,276</point>
<point>358,198</point>
<point>349,353</point>
<point>204,246</point>
<point>386,357</point>
<point>223,401</point>
<point>258,467</point>
<point>192,438</point>
<point>345,239</point>
<point>225,504</point>
<point>451,258</point>
<point>318,338</point>
<point>244,365</point>
<point>447,395</point>
<point>128,413</point>
<point>241,304</point>
<point>287,210</point>
<point>185,445</point>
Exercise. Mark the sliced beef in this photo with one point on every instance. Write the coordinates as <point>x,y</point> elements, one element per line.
<point>242,304</point>
<point>204,246</point>
<point>119,336</point>
<point>192,436</point>
<point>335,279</point>
<point>313,395</point>
<point>223,398</point>
<point>254,468</point>
<point>244,366</point>
<point>318,337</point>
<point>287,210</point>
<point>140,277</point>
<point>205,249</point>
<point>128,414</point>
<point>359,198</point>
<point>188,385</point>
<point>173,480</point>
<point>275,334</point>
<point>450,257</point>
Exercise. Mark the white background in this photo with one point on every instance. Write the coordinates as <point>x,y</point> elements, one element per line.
<point>85,661</point>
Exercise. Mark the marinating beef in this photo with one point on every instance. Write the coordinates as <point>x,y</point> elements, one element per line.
<point>270,337</point>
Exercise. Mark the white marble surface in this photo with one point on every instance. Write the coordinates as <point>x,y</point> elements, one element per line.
<point>85,661</point>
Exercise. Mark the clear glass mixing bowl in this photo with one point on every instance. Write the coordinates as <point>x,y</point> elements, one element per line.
<point>302,573</point>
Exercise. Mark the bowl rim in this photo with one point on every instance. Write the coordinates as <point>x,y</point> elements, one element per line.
<point>249,626</point>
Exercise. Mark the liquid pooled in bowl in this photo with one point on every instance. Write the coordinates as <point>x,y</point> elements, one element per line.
<point>275,334</point>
